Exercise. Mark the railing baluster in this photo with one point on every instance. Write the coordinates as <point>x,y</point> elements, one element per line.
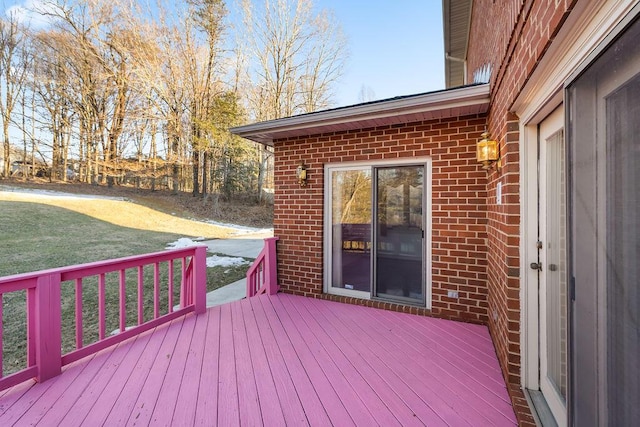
<point>170,286</point>
<point>183,283</point>
<point>101,307</point>
<point>31,327</point>
<point>140,295</point>
<point>79,323</point>
<point>123,300</point>
<point>189,281</point>
<point>156,290</point>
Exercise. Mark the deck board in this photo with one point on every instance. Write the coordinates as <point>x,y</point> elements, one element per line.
<point>350,407</point>
<point>276,360</point>
<point>344,365</point>
<point>165,405</point>
<point>248,397</point>
<point>140,363</point>
<point>287,396</point>
<point>315,411</point>
<point>207,405</point>
<point>228,406</point>
<point>186,402</point>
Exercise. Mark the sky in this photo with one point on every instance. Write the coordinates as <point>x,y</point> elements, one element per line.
<point>396,46</point>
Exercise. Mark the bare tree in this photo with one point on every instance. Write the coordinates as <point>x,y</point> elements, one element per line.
<point>117,87</point>
<point>14,67</point>
<point>297,57</point>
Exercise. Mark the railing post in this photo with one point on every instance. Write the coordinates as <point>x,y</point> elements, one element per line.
<point>251,287</point>
<point>199,274</point>
<point>271,266</point>
<point>48,326</point>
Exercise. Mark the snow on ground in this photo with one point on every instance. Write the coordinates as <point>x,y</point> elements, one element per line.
<point>241,230</point>
<point>224,261</point>
<point>49,193</point>
<point>184,242</point>
<point>212,261</point>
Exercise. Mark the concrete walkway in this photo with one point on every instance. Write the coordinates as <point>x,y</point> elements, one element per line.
<point>245,246</point>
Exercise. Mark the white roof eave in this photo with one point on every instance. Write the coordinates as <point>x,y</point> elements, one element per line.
<point>448,103</point>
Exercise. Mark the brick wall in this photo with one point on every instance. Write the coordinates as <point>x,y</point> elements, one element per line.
<point>459,214</point>
<point>521,32</point>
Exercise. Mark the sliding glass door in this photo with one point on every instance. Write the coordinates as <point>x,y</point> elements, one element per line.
<point>376,232</point>
<point>399,233</point>
<point>604,220</point>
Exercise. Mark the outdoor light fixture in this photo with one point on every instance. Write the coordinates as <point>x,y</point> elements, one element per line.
<point>488,152</point>
<point>301,173</point>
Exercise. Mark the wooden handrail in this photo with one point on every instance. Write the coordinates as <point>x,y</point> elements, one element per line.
<point>262,277</point>
<point>43,288</point>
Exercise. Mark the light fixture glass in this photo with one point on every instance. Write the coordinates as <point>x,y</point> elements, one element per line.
<point>487,151</point>
<point>301,174</point>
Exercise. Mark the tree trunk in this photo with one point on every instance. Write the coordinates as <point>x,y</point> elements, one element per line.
<point>196,172</point>
<point>205,159</point>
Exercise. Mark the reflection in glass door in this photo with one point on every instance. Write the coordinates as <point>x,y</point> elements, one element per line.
<point>399,233</point>
<point>351,229</point>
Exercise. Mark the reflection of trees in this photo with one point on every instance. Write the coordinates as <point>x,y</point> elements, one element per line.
<point>400,196</point>
<point>352,189</point>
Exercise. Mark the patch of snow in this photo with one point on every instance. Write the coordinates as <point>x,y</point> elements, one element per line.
<point>239,229</point>
<point>183,242</point>
<point>58,194</point>
<point>224,261</point>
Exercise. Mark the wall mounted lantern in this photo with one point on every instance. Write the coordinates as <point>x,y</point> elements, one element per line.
<point>488,152</point>
<point>301,174</point>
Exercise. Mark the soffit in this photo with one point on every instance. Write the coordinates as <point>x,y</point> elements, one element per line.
<point>457,102</point>
<point>456,20</point>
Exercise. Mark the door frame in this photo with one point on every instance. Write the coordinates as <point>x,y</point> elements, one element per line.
<point>557,120</point>
<point>426,162</point>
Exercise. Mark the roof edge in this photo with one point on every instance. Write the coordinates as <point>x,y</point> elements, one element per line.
<point>263,132</point>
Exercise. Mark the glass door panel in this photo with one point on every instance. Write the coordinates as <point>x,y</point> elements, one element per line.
<point>623,253</point>
<point>604,149</point>
<point>399,234</point>
<point>554,308</point>
<point>351,229</point>
<point>553,274</point>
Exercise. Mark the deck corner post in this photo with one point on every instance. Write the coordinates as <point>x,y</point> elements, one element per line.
<point>200,279</point>
<point>47,316</point>
<point>272,265</point>
<point>251,291</point>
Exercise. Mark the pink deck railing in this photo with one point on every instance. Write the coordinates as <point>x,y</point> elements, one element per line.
<point>43,306</point>
<point>262,276</point>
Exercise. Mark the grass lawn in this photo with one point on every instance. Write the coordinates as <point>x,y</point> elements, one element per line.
<point>56,232</point>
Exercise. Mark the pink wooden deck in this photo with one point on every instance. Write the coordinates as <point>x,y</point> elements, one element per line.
<point>276,360</point>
